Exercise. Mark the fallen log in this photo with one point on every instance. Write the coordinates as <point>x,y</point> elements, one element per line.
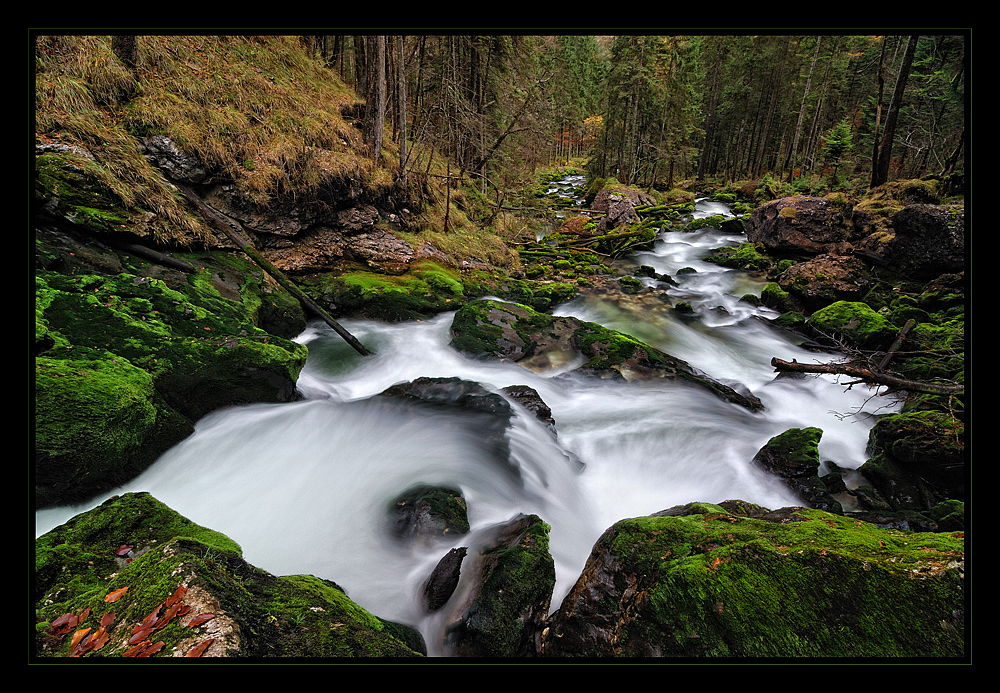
<point>868,376</point>
<point>215,219</point>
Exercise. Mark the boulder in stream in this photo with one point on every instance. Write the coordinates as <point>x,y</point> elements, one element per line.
<point>736,580</point>
<point>540,342</point>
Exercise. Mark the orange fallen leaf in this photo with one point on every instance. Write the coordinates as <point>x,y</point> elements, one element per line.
<point>77,637</point>
<point>149,620</point>
<point>176,596</point>
<point>107,619</point>
<point>100,638</point>
<point>199,619</point>
<point>200,648</point>
<point>116,595</point>
<point>134,652</point>
<point>152,649</point>
<point>139,636</point>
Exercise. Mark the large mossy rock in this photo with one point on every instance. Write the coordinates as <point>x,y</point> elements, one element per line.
<point>853,322</point>
<point>739,581</point>
<point>801,225</point>
<point>539,341</point>
<point>151,556</point>
<point>129,354</point>
<point>506,597</point>
<point>917,460</point>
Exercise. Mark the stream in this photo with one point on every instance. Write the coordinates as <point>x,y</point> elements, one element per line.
<point>305,487</point>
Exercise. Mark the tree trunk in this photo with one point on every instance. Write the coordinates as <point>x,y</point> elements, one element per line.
<point>880,171</point>
<point>401,108</point>
<point>802,115</point>
<point>375,109</point>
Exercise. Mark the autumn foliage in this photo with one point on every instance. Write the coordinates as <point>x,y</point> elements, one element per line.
<point>85,639</point>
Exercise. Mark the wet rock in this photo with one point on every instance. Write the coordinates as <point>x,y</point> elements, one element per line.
<point>443,581</point>
<point>508,593</point>
<point>424,512</point>
<point>797,225</point>
<point>794,457</point>
<point>676,585</point>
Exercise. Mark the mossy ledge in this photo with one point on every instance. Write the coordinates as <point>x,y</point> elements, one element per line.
<point>254,614</point>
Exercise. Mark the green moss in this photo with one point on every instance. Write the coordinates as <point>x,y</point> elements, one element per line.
<point>856,322</point>
<point>76,566</point>
<point>717,585</point>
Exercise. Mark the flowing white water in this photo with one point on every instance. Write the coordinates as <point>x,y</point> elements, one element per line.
<point>305,487</point>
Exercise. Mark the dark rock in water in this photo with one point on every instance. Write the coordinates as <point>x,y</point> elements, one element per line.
<point>801,225</point>
<point>538,341</point>
<point>468,399</point>
<point>443,581</point>
<point>511,583</point>
<point>428,511</point>
<point>794,456</point>
<point>917,460</point>
<point>529,398</point>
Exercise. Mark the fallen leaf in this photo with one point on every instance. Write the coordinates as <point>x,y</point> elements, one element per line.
<point>139,636</point>
<point>152,649</point>
<point>116,595</point>
<point>107,619</point>
<point>198,649</point>
<point>100,638</point>
<point>199,619</point>
<point>134,652</point>
<point>77,637</point>
<point>149,620</point>
<point>176,596</point>
<point>123,549</point>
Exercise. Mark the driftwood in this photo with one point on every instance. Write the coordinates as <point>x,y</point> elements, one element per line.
<point>218,222</point>
<point>867,375</point>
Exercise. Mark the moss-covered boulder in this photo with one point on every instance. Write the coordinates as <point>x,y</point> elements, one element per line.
<point>508,594</point>
<point>739,581</point>
<point>134,576</point>
<point>793,456</point>
<point>826,279</point>
<point>129,354</point>
<point>538,341</point>
<point>428,511</point>
<point>917,459</point>
<point>853,322</point>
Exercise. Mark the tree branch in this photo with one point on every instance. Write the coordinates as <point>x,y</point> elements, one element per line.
<point>867,376</point>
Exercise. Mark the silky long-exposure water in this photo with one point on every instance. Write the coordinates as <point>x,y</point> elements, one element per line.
<point>304,487</point>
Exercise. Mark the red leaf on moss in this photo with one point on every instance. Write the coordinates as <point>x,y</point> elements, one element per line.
<point>107,619</point>
<point>134,652</point>
<point>199,619</point>
<point>152,649</point>
<point>139,636</point>
<point>123,549</point>
<point>199,649</point>
<point>176,596</point>
<point>63,624</point>
<point>84,614</point>
<point>116,595</point>
<point>149,620</point>
<point>100,638</point>
<point>78,637</point>
<point>167,617</point>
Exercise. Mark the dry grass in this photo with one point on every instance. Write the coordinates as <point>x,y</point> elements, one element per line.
<point>270,121</point>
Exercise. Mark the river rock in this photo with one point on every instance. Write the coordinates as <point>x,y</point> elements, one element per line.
<point>917,460</point>
<point>826,279</point>
<point>802,225</point>
<point>619,204</point>
<point>794,457</point>
<point>443,581</point>
<point>507,596</point>
<point>735,581</point>
<point>424,512</point>
<point>922,241</point>
<point>538,341</point>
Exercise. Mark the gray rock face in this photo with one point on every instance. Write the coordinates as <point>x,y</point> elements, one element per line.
<point>801,225</point>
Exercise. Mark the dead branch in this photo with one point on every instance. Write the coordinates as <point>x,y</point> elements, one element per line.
<point>867,376</point>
